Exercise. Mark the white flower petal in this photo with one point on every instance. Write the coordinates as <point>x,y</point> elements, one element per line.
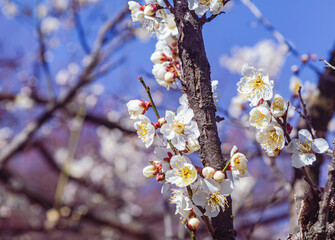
<point>292,146</point>
<point>302,159</point>
<point>320,145</point>
<point>226,186</point>
<point>305,134</point>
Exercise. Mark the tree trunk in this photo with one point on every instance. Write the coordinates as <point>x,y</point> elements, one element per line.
<point>197,85</point>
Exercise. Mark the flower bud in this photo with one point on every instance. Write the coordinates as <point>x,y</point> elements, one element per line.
<point>313,56</point>
<point>295,69</point>
<point>304,58</point>
<point>156,57</point>
<point>208,172</point>
<point>219,176</point>
<point>149,10</point>
<point>161,121</point>
<point>193,223</point>
<point>150,171</point>
<point>192,145</point>
<point>169,77</point>
<point>137,107</point>
<point>160,177</point>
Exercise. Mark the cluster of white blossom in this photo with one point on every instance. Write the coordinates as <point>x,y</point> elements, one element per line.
<point>167,63</point>
<point>266,54</point>
<point>270,119</point>
<point>196,191</point>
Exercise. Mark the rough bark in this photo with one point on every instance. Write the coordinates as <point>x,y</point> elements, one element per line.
<point>197,85</point>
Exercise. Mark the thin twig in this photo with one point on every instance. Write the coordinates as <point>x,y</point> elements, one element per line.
<point>306,116</point>
<point>21,139</point>
<point>72,147</point>
<point>212,17</point>
<point>308,179</point>
<point>45,65</point>
<point>328,65</point>
<point>272,200</point>
<point>80,31</point>
<point>169,6</point>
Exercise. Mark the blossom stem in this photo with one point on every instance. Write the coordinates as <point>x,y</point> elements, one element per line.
<point>225,168</point>
<point>208,225</point>
<point>308,178</point>
<point>204,218</point>
<point>306,116</point>
<point>147,89</point>
<point>192,233</point>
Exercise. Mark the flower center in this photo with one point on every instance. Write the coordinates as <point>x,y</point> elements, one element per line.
<point>217,200</point>
<point>258,117</point>
<point>186,174</point>
<point>143,131</point>
<point>273,139</point>
<point>304,146</point>
<point>205,2</point>
<point>258,83</point>
<point>178,127</point>
<point>278,104</point>
<point>239,165</point>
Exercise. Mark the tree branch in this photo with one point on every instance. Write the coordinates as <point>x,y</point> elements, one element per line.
<point>197,84</point>
<point>85,78</point>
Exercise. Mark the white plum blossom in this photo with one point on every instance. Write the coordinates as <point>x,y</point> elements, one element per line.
<point>304,147</point>
<point>49,25</point>
<point>192,145</point>
<point>202,6</point>
<point>278,106</point>
<point>238,163</point>
<point>165,75</point>
<point>182,200</point>
<point>208,172</point>
<point>219,176</point>
<point>256,84</point>
<point>159,2</point>
<point>183,100</point>
<point>271,139</point>
<point>193,223</point>
<point>183,172</point>
<point>145,130</point>
<point>167,27</point>
<point>61,5</point>
<point>260,117</point>
<point>180,128</point>
<point>162,55</point>
<point>295,84</point>
<point>215,91</point>
<point>148,15</point>
<point>149,171</point>
<point>137,13</point>
<point>266,54</point>
<point>137,108</point>
<point>237,105</point>
<point>212,196</point>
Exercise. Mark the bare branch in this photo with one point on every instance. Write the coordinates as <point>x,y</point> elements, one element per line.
<point>306,116</point>
<point>328,65</point>
<point>169,6</point>
<point>85,78</point>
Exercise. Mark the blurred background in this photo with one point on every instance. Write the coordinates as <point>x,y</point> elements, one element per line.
<point>71,162</point>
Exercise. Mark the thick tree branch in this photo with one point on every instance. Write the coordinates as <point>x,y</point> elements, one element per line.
<point>197,84</point>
